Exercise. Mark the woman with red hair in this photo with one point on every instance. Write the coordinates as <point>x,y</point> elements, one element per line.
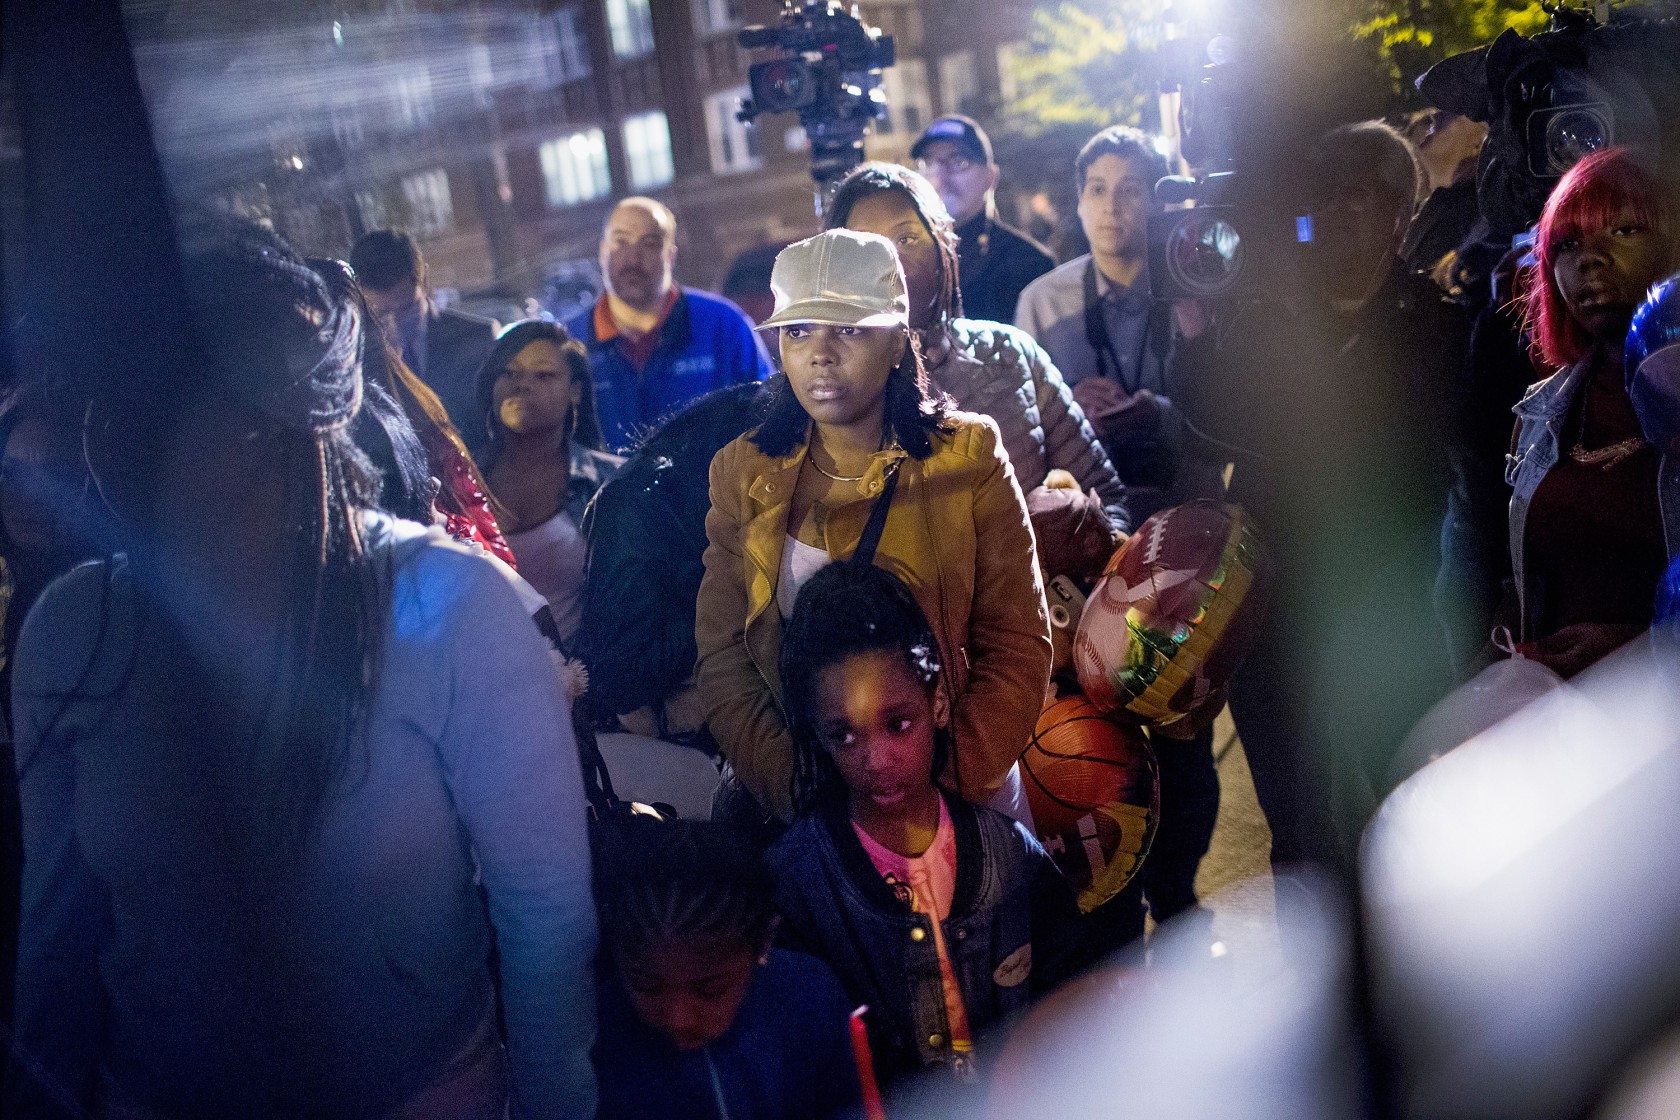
<point>1595,510</point>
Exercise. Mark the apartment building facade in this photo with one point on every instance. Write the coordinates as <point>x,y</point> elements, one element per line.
<point>501,133</point>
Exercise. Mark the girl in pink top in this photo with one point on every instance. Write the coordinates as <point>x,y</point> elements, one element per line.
<point>941,915</point>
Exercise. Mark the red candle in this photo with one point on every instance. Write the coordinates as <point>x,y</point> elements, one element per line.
<point>872,1109</point>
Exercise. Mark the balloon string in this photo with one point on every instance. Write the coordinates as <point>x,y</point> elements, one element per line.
<point>1504,643</point>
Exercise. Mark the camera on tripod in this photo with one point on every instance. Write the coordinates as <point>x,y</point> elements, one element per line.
<point>830,74</point>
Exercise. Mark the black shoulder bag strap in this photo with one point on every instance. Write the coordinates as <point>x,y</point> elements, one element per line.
<point>871,538</point>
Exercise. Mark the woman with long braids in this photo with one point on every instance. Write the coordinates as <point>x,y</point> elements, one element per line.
<point>990,368</point>
<point>276,758</point>
<point>545,459</point>
<point>853,437</point>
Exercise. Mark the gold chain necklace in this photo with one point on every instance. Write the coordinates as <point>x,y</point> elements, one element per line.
<point>812,459</point>
<point>1605,458</point>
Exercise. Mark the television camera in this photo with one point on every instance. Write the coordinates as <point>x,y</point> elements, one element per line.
<point>829,72</point>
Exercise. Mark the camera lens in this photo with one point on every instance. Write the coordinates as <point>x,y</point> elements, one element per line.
<point>1572,135</point>
<point>1204,254</point>
<point>782,84</point>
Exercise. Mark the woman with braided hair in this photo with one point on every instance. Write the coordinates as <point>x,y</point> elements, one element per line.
<point>699,1015</point>
<point>268,755</point>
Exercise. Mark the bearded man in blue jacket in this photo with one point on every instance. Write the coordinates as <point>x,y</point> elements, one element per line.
<point>654,346</point>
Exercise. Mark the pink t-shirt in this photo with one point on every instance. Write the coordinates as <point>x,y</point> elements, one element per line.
<point>931,879</point>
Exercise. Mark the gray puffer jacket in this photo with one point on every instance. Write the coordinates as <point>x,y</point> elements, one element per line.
<point>1000,371</point>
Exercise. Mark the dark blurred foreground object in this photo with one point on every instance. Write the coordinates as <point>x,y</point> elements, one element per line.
<point>647,533</point>
<point>1522,899</point>
<point>1347,404</point>
<point>1550,100</point>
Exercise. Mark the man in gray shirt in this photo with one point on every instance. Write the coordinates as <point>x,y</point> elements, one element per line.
<point>1112,342</point>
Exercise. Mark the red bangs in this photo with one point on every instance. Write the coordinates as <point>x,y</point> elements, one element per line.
<point>1592,195</point>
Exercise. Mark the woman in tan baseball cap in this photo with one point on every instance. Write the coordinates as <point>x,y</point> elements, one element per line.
<point>852,437</point>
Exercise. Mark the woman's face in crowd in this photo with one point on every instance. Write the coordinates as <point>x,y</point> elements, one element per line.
<point>1114,205</point>
<point>891,215</point>
<point>1603,274</point>
<point>535,393</point>
<point>840,374</point>
<point>689,988</point>
<point>876,719</point>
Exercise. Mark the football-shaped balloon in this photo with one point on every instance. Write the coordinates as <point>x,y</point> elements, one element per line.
<point>1653,364</point>
<point>1176,610</point>
<point>1095,796</point>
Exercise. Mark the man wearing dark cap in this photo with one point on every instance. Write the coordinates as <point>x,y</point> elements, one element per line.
<point>995,261</point>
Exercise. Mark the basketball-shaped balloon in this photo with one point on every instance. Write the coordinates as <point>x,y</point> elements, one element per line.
<point>1095,796</point>
<point>1176,610</point>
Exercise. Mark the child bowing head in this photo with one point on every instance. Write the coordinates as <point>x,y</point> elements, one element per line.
<point>941,915</point>
<point>699,1016</point>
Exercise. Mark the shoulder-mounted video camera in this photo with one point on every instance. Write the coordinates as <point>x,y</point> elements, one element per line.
<point>829,73</point>
<point>1208,251</point>
<point>1550,100</point>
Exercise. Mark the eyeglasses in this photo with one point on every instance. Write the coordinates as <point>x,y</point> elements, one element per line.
<point>950,165</point>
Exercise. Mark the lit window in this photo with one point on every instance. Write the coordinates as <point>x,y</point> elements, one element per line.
<point>480,73</point>
<point>347,126</point>
<point>647,146</point>
<point>631,22</point>
<point>431,211</point>
<point>373,211</point>
<point>734,145</point>
<point>572,44</point>
<point>909,108</point>
<point>713,17</point>
<point>1009,60</point>
<point>959,85</point>
<point>413,96</point>
<point>575,168</point>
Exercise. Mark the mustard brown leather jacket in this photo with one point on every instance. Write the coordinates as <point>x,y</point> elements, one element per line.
<point>957,533</point>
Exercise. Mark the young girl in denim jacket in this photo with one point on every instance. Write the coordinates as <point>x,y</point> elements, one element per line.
<point>941,915</point>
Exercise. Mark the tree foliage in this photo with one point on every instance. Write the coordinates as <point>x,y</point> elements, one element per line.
<point>1092,63</point>
<point>1088,67</point>
<point>1409,36</point>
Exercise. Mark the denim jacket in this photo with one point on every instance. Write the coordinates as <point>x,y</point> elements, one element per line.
<point>1013,929</point>
<point>1535,450</point>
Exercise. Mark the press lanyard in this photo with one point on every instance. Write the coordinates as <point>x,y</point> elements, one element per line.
<point>717,1084</point>
<point>1096,336</point>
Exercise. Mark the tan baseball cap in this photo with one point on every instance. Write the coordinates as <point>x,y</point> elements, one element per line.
<point>839,278</point>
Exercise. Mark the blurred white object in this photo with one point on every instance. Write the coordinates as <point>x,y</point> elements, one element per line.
<point>1522,899</point>
<point>652,770</point>
<point>1491,696</point>
<point>1650,1090</point>
<point>1190,1039</point>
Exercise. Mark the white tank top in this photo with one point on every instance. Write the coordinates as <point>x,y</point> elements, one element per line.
<point>551,557</point>
<point>800,561</point>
